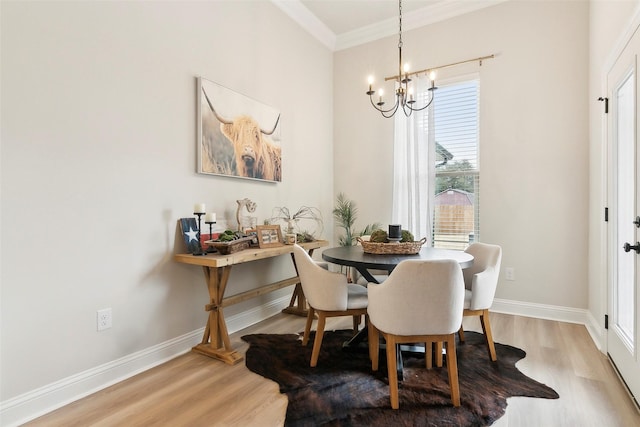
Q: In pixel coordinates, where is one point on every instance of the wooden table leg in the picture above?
(215, 341)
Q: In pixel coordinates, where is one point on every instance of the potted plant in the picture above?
(345, 213)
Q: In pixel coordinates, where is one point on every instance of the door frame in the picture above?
(610, 176)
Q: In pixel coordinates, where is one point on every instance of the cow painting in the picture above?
(256, 155)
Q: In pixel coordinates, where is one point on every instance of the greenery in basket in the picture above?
(228, 236)
(345, 213)
(406, 236)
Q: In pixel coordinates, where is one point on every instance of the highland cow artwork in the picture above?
(237, 136)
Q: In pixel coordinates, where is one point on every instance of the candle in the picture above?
(199, 208)
(394, 231)
(210, 217)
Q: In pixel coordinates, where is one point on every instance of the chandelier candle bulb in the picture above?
(199, 208)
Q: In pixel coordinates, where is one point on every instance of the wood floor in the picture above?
(194, 390)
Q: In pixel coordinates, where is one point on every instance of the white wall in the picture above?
(533, 131)
(98, 163)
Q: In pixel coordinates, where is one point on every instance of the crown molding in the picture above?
(411, 20)
(307, 20)
(419, 18)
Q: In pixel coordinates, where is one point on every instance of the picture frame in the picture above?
(237, 136)
(253, 233)
(269, 236)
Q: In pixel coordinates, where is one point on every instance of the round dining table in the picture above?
(354, 256)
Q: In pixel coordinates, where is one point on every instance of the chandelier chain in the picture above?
(400, 24)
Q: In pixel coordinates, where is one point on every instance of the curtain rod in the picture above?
(480, 59)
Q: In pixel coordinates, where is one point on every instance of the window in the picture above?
(456, 221)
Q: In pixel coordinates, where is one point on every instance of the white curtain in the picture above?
(414, 168)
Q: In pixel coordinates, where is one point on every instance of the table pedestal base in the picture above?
(230, 357)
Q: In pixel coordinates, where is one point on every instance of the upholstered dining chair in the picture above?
(480, 281)
(329, 295)
(420, 302)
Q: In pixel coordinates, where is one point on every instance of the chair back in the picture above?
(323, 289)
(482, 277)
(419, 298)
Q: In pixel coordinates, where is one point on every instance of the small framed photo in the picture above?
(253, 233)
(269, 236)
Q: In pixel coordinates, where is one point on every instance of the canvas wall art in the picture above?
(237, 136)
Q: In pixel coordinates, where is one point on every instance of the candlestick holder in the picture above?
(210, 249)
(199, 251)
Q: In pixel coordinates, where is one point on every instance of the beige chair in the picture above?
(480, 281)
(420, 302)
(329, 295)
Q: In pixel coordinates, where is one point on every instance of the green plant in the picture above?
(345, 213)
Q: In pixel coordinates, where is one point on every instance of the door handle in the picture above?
(637, 222)
(627, 247)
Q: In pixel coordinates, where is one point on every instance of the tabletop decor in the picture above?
(199, 209)
(344, 391)
(210, 219)
(269, 236)
(190, 233)
(246, 222)
(237, 136)
(307, 215)
(230, 242)
(395, 242)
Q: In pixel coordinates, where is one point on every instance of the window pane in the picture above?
(623, 315)
(456, 220)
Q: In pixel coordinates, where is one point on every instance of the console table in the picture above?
(215, 341)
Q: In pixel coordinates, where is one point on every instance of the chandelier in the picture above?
(404, 92)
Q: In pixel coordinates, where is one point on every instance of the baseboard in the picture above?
(540, 311)
(596, 330)
(33, 404)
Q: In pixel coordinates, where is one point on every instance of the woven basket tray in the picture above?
(405, 248)
(233, 246)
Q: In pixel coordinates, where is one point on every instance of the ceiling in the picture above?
(343, 16)
(340, 24)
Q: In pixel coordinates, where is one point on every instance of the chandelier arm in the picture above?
(426, 105)
(388, 116)
(382, 110)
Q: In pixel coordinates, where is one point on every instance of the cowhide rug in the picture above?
(343, 391)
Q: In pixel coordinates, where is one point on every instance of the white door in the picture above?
(624, 216)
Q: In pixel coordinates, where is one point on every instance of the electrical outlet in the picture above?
(510, 273)
(104, 319)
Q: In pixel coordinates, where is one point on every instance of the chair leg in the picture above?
(307, 328)
(486, 328)
(317, 343)
(356, 323)
(439, 354)
(452, 369)
(428, 354)
(374, 345)
(461, 334)
(392, 373)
